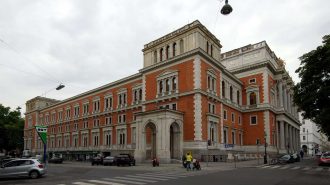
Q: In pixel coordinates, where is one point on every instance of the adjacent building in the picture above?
(188, 97)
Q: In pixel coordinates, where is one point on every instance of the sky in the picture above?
(85, 44)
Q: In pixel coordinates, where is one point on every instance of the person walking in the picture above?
(188, 160)
(301, 154)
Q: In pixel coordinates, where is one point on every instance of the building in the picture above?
(312, 141)
(188, 97)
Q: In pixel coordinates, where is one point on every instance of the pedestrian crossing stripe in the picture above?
(125, 181)
(82, 183)
(265, 167)
(135, 179)
(275, 167)
(158, 176)
(295, 168)
(151, 178)
(105, 182)
(285, 167)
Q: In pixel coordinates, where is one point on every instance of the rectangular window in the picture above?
(225, 136)
(108, 120)
(85, 109)
(239, 120)
(303, 129)
(76, 111)
(252, 81)
(224, 114)
(232, 117)
(68, 114)
(96, 106)
(96, 122)
(108, 103)
(60, 116)
(233, 140)
(253, 120)
(174, 106)
(304, 138)
(85, 124)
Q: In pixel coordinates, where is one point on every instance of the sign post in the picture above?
(42, 132)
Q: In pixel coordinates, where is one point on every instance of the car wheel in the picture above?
(34, 174)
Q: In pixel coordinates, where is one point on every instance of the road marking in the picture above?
(82, 183)
(285, 167)
(295, 168)
(265, 167)
(134, 179)
(319, 169)
(158, 176)
(307, 168)
(166, 174)
(126, 181)
(151, 178)
(274, 167)
(105, 182)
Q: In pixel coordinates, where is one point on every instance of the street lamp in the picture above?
(265, 156)
(226, 9)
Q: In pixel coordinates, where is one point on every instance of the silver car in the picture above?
(22, 167)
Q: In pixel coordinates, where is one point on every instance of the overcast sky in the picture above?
(86, 44)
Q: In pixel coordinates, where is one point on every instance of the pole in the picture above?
(45, 154)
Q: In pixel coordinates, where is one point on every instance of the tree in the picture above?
(312, 93)
(11, 129)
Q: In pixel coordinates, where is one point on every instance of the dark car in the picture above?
(109, 160)
(286, 159)
(97, 160)
(296, 157)
(56, 160)
(125, 159)
(324, 159)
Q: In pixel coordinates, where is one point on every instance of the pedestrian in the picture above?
(189, 160)
(301, 154)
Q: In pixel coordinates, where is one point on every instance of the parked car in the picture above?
(57, 160)
(98, 160)
(125, 159)
(22, 167)
(286, 159)
(324, 159)
(296, 157)
(109, 160)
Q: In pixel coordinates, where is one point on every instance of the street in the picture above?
(303, 173)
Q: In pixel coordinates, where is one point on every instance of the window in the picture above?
(232, 117)
(85, 124)
(304, 138)
(211, 82)
(155, 57)
(303, 129)
(174, 83)
(252, 81)
(85, 109)
(231, 93)
(68, 114)
(108, 120)
(174, 106)
(108, 103)
(122, 99)
(253, 120)
(161, 54)
(60, 115)
(174, 49)
(225, 136)
(133, 135)
(240, 139)
(96, 106)
(238, 97)
(224, 114)
(223, 85)
(76, 111)
(167, 84)
(211, 108)
(253, 98)
(96, 140)
(207, 47)
(239, 120)
(53, 119)
(107, 137)
(96, 123)
(122, 118)
(211, 50)
(167, 52)
(233, 139)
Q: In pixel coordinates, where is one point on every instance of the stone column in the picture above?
(280, 85)
(284, 98)
(278, 135)
(282, 135)
(286, 133)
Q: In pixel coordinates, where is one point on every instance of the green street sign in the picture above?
(42, 132)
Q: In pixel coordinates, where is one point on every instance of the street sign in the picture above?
(42, 132)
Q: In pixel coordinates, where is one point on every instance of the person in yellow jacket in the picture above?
(189, 159)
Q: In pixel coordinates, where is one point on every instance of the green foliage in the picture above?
(11, 129)
(312, 94)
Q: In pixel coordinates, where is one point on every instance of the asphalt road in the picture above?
(302, 173)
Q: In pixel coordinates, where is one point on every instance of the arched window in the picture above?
(223, 86)
(161, 54)
(174, 49)
(167, 52)
(155, 57)
(174, 83)
(253, 98)
(238, 97)
(231, 93)
(207, 47)
(181, 46)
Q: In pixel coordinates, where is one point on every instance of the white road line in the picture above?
(158, 176)
(105, 182)
(82, 183)
(165, 174)
(307, 168)
(295, 168)
(319, 169)
(135, 179)
(274, 167)
(125, 181)
(265, 167)
(285, 167)
(151, 178)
